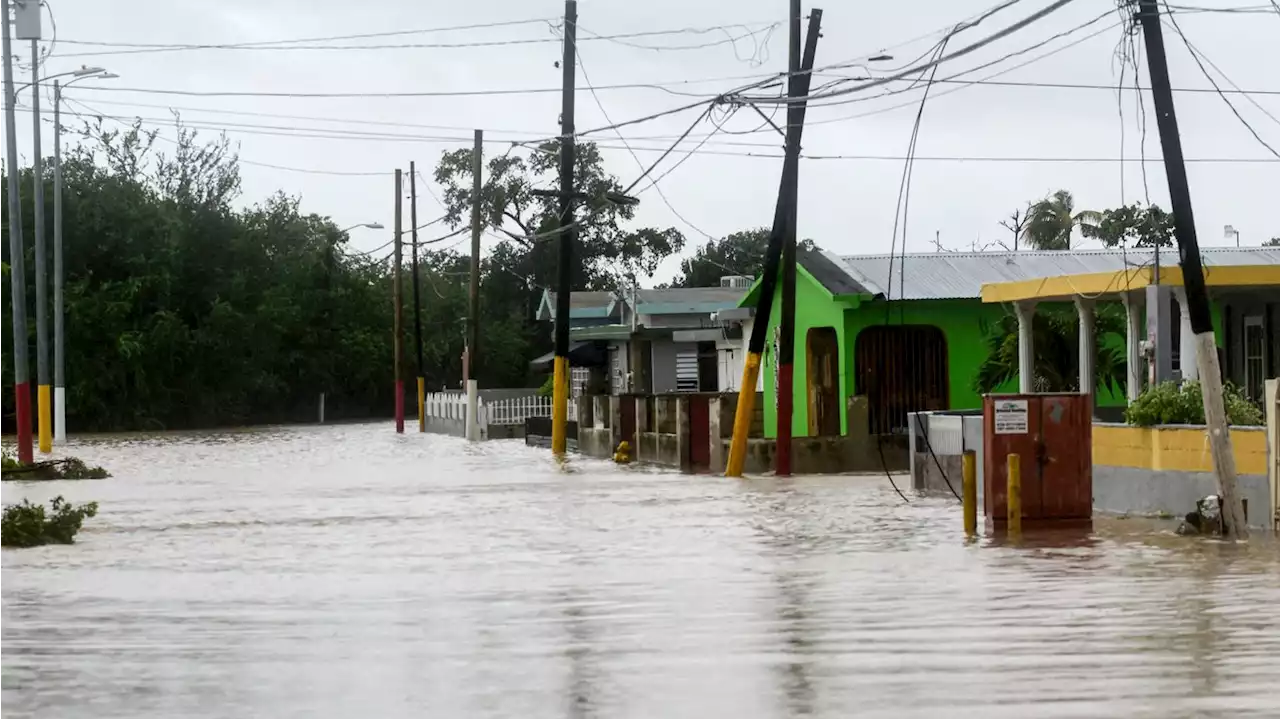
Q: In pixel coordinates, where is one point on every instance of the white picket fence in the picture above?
(514, 410)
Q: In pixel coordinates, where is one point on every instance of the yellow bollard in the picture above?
(1014, 499)
(44, 418)
(970, 464)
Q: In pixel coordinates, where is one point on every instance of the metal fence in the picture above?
(513, 410)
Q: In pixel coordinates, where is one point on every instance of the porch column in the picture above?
(1026, 311)
(1088, 343)
(1133, 307)
(1186, 338)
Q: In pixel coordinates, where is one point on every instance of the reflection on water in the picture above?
(348, 572)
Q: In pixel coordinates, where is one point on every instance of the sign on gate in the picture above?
(1011, 416)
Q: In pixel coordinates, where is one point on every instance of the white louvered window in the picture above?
(687, 370)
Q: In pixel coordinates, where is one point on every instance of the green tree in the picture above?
(1050, 222)
(1134, 226)
(1055, 333)
(606, 252)
(738, 253)
(1273, 242)
(186, 311)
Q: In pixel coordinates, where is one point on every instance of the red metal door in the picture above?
(700, 432)
(1053, 435)
(1065, 462)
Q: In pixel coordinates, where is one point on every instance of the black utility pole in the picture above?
(417, 300)
(1184, 230)
(568, 232)
(799, 87)
(785, 368)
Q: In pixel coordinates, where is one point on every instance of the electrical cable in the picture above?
(645, 172)
(1248, 95)
(294, 45)
(1015, 27)
(1196, 56)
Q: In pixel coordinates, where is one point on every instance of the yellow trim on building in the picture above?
(1093, 284)
(1175, 449)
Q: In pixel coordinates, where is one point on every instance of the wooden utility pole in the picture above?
(398, 314)
(798, 87)
(473, 312)
(417, 300)
(1184, 230)
(568, 232)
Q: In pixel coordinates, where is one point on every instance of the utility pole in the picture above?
(59, 328)
(798, 87)
(568, 232)
(785, 399)
(398, 302)
(473, 313)
(17, 256)
(417, 302)
(44, 407)
(1224, 465)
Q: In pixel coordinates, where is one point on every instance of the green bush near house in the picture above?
(548, 387)
(1167, 403)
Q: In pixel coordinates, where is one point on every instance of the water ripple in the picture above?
(346, 571)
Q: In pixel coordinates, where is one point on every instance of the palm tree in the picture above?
(1055, 334)
(1051, 221)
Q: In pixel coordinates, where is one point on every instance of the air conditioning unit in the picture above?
(737, 282)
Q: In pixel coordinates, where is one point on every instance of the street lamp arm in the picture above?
(81, 73)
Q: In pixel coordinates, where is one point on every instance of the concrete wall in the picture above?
(1164, 470)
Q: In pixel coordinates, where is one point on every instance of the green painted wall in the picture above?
(960, 321)
(815, 307)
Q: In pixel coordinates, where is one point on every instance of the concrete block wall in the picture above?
(1164, 470)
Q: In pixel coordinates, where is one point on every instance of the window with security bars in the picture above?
(901, 369)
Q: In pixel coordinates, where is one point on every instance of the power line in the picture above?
(1196, 56)
(241, 160)
(769, 155)
(1015, 27)
(295, 45)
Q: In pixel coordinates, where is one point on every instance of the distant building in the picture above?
(658, 340)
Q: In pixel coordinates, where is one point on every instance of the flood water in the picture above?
(348, 572)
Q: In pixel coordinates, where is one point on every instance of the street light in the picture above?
(59, 330)
(367, 225)
(1228, 231)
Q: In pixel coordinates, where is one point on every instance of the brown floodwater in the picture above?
(345, 571)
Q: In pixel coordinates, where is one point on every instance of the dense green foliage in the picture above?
(28, 525)
(1056, 332)
(739, 253)
(1167, 403)
(66, 468)
(186, 310)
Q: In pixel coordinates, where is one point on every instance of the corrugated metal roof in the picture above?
(686, 300)
(953, 275)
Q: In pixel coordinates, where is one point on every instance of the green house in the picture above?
(911, 332)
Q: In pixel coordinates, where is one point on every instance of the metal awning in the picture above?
(581, 354)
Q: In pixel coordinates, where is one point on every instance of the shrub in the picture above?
(1167, 403)
(27, 524)
(548, 387)
(67, 468)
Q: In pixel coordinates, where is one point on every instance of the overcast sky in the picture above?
(846, 205)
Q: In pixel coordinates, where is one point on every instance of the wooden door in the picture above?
(823, 382)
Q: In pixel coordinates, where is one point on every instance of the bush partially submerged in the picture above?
(68, 468)
(28, 525)
(1167, 403)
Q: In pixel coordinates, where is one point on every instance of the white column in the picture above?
(1088, 341)
(1133, 338)
(1186, 338)
(473, 406)
(1026, 311)
(59, 414)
